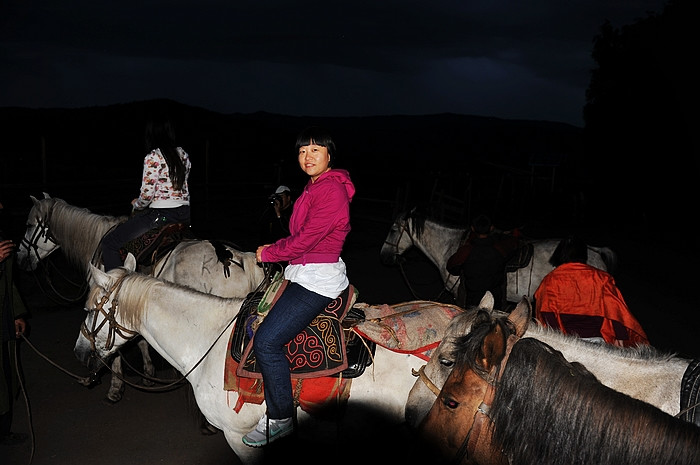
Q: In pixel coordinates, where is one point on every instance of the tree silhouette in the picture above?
(640, 114)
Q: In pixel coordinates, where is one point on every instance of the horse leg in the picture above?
(116, 386)
(148, 367)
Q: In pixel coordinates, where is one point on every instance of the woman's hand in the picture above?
(20, 327)
(6, 248)
(258, 252)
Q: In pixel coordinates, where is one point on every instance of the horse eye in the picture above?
(446, 362)
(450, 403)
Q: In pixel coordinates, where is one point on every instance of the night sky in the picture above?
(516, 60)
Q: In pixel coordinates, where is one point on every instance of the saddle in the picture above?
(326, 347)
(320, 389)
(690, 393)
(156, 243)
(521, 258)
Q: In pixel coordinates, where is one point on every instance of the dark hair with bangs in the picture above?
(318, 136)
(571, 249)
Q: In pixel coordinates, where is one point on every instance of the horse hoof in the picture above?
(111, 400)
(208, 429)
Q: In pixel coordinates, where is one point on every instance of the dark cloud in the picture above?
(528, 60)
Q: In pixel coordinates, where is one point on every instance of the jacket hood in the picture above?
(341, 176)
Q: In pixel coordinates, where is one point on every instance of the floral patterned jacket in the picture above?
(157, 189)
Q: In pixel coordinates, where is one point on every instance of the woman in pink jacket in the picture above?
(319, 224)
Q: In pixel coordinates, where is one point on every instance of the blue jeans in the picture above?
(293, 311)
(137, 225)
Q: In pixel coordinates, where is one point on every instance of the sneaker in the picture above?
(278, 429)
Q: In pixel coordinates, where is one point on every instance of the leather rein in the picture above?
(116, 328)
(478, 437)
(405, 229)
(42, 232)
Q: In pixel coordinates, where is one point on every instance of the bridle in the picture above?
(404, 229)
(42, 234)
(480, 434)
(109, 318)
(115, 328)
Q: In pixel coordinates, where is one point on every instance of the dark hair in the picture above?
(482, 224)
(316, 135)
(160, 134)
(572, 249)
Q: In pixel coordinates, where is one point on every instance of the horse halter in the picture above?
(109, 318)
(475, 440)
(403, 229)
(41, 231)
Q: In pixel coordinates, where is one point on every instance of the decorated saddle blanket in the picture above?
(321, 387)
(414, 327)
(319, 350)
(156, 243)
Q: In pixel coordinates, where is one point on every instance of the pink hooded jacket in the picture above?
(319, 224)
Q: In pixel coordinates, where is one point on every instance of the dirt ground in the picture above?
(70, 423)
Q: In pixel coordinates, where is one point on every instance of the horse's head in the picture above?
(397, 241)
(406, 229)
(468, 391)
(437, 369)
(38, 242)
(103, 332)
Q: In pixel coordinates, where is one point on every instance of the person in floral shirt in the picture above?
(164, 197)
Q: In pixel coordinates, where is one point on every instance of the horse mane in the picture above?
(137, 289)
(640, 352)
(417, 217)
(467, 349)
(78, 227)
(609, 258)
(134, 293)
(547, 410)
(466, 323)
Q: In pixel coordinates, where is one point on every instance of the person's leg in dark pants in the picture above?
(293, 312)
(123, 233)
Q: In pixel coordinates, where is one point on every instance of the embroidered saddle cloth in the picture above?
(320, 386)
(414, 327)
(156, 243)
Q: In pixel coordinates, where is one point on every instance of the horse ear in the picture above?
(493, 348)
(520, 316)
(130, 262)
(98, 277)
(34, 199)
(46, 196)
(487, 301)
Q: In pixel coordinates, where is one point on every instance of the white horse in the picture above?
(191, 329)
(54, 224)
(640, 372)
(438, 241)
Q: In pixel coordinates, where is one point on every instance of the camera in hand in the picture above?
(275, 198)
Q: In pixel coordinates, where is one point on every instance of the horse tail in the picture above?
(609, 258)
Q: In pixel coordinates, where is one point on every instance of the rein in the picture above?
(116, 328)
(474, 439)
(43, 232)
(395, 245)
(423, 377)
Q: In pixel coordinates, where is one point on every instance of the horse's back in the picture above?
(196, 264)
(525, 280)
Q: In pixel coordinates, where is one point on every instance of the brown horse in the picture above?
(518, 401)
